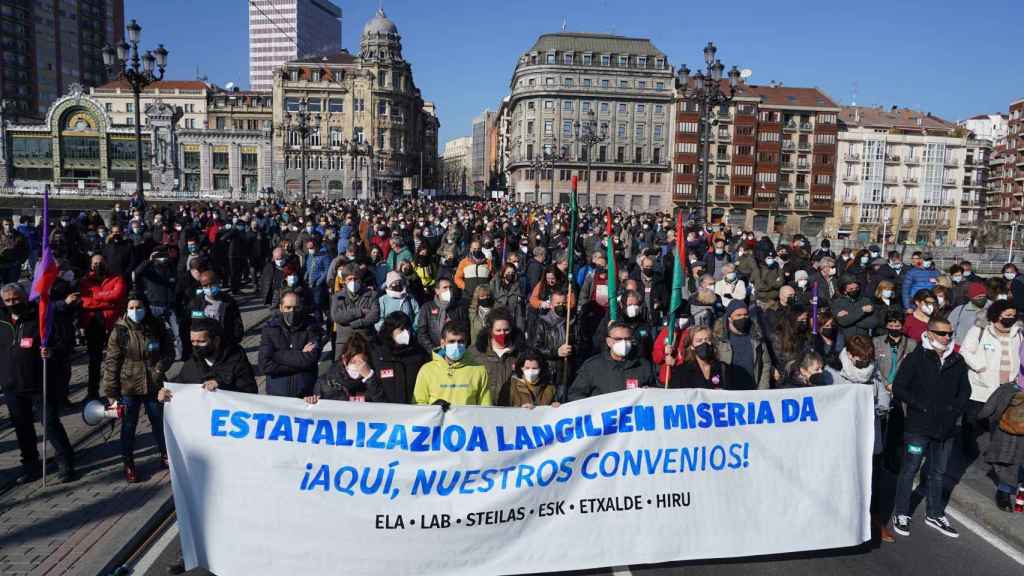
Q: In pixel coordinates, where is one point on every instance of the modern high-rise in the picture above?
(484, 151)
(620, 86)
(284, 30)
(48, 45)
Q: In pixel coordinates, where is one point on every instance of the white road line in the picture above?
(986, 535)
(153, 554)
(621, 571)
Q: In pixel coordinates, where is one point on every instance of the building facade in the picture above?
(484, 151)
(284, 30)
(49, 46)
(1013, 169)
(457, 166)
(772, 155)
(620, 86)
(190, 95)
(370, 127)
(991, 127)
(903, 174)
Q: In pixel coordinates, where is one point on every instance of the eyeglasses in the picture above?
(942, 333)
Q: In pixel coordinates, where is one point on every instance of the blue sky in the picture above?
(953, 59)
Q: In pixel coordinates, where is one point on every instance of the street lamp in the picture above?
(124, 62)
(303, 123)
(589, 136)
(545, 162)
(356, 149)
(706, 88)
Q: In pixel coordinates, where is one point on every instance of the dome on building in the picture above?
(380, 24)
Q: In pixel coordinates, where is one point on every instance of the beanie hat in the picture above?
(734, 306)
(975, 290)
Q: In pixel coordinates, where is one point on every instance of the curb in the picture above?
(982, 509)
(133, 543)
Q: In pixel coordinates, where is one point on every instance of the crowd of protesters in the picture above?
(492, 303)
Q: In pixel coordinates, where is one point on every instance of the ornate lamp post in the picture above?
(589, 136)
(356, 149)
(543, 164)
(124, 62)
(303, 123)
(706, 88)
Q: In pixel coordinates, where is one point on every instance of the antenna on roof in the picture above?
(563, 23)
(854, 101)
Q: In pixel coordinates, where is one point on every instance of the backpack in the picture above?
(1012, 421)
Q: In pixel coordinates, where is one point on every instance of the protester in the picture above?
(741, 344)
(496, 346)
(532, 383)
(290, 345)
(102, 303)
(397, 357)
(702, 368)
(992, 353)
(215, 363)
(450, 378)
(616, 368)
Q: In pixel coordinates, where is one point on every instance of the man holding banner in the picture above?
(617, 368)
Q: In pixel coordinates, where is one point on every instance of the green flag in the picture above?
(613, 302)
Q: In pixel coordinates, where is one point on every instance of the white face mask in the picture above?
(682, 322)
(801, 283)
(352, 286)
(769, 261)
(621, 348)
(396, 294)
(291, 280)
(1003, 297)
(354, 370)
(1009, 276)
(887, 294)
(927, 263)
(445, 296)
(730, 277)
(632, 311)
(941, 301)
(531, 374)
(927, 309)
(402, 337)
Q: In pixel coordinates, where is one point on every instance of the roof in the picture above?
(161, 85)
(599, 43)
(342, 57)
(787, 96)
(380, 24)
(892, 118)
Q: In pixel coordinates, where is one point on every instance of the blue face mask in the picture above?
(212, 290)
(454, 351)
(137, 315)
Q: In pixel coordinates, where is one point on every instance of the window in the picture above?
(641, 61)
(638, 154)
(640, 109)
(605, 83)
(549, 104)
(639, 131)
(108, 107)
(588, 59)
(315, 76)
(551, 58)
(314, 105)
(641, 84)
(622, 130)
(531, 105)
(567, 105)
(335, 105)
(249, 161)
(655, 178)
(623, 61)
(659, 63)
(604, 107)
(768, 136)
(220, 160)
(659, 86)
(567, 59)
(549, 81)
(585, 106)
(743, 170)
(529, 127)
(622, 108)
(620, 154)
(743, 150)
(191, 160)
(568, 82)
(335, 137)
(686, 147)
(220, 123)
(824, 138)
(529, 154)
(823, 179)
(129, 107)
(684, 189)
(658, 129)
(567, 127)
(659, 108)
(532, 82)
(382, 107)
(606, 60)
(587, 82)
(688, 127)
(548, 126)
(623, 83)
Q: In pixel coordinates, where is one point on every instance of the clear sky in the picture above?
(948, 57)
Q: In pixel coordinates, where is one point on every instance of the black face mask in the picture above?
(853, 294)
(486, 302)
(980, 302)
(289, 318)
(478, 254)
(560, 311)
(862, 363)
(829, 332)
(648, 272)
(817, 379)
(895, 334)
(18, 309)
(704, 351)
(1007, 322)
(802, 326)
(100, 269)
(742, 325)
(204, 352)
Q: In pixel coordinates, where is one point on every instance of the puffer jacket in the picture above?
(982, 350)
(21, 366)
(511, 297)
(231, 370)
(137, 358)
(917, 279)
(354, 313)
(103, 300)
(602, 375)
(935, 389)
(538, 394)
(158, 281)
(290, 371)
(395, 369)
(855, 321)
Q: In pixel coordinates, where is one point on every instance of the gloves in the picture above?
(444, 404)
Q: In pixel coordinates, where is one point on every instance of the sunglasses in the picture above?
(942, 333)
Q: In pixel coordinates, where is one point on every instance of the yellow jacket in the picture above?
(463, 383)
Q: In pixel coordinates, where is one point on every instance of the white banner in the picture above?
(267, 485)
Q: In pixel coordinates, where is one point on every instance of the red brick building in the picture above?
(772, 158)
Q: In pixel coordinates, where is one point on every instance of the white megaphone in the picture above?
(95, 412)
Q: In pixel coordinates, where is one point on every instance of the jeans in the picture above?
(170, 318)
(915, 449)
(22, 411)
(154, 411)
(95, 344)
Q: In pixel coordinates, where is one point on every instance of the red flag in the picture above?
(680, 239)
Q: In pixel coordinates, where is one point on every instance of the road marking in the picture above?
(986, 535)
(621, 571)
(149, 559)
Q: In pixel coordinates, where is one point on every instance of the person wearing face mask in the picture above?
(807, 370)
(118, 255)
(740, 343)
(885, 302)
(631, 313)
(992, 353)
(548, 337)
(935, 387)
(1015, 285)
(924, 309)
(21, 379)
(967, 315)
(495, 347)
(14, 251)
(666, 356)
(475, 269)
(156, 279)
(509, 291)
(139, 353)
(315, 263)
(272, 279)
(891, 348)
(716, 259)
(824, 251)
(917, 279)
(396, 356)
(730, 287)
(214, 365)
(702, 368)
(102, 303)
(452, 378)
(615, 368)
(290, 346)
(532, 383)
(210, 301)
(854, 311)
(350, 377)
(790, 336)
(446, 306)
(396, 298)
(766, 278)
(399, 253)
(356, 308)
(829, 340)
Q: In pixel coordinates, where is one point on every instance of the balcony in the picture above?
(890, 180)
(788, 166)
(909, 181)
(788, 145)
(951, 162)
(722, 157)
(801, 203)
(806, 127)
(724, 116)
(949, 182)
(851, 157)
(724, 136)
(851, 178)
(790, 126)
(721, 177)
(785, 186)
(802, 186)
(892, 159)
(912, 160)
(803, 166)
(805, 146)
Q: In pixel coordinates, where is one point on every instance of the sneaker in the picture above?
(29, 474)
(942, 525)
(901, 525)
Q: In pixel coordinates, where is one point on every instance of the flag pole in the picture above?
(45, 361)
(568, 299)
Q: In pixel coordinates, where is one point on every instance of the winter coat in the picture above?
(512, 298)
(102, 300)
(137, 358)
(499, 370)
(290, 371)
(159, 283)
(731, 291)
(868, 376)
(967, 316)
(723, 377)
(231, 370)
(395, 370)
(600, 374)
(762, 358)
(119, 255)
(855, 321)
(767, 281)
(827, 288)
(935, 390)
(885, 357)
(471, 274)
(1004, 448)
(386, 305)
(459, 383)
(355, 313)
(547, 337)
(432, 318)
(21, 366)
(982, 350)
(223, 309)
(314, 269)
(915, 280)
(396, 257)
(538, 394)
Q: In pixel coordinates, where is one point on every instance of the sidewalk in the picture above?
(974, 495)
(79, 528)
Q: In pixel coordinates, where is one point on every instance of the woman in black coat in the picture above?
(396, 357)
(702, 368)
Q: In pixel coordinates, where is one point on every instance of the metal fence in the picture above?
(120, 194)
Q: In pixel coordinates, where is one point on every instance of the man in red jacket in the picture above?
(103, 302)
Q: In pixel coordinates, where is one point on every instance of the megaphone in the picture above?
(95, 412)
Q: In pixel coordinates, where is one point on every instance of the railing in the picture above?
(851, 157)
(951, 162)
(803, 166)
(790, 127)
(722, 157)
(787, 165)
(722, 177)
(910, 180)
(805, 145)
(103, 194)
(788, 145)
(806, 127)
(851, 177)
(801, 204)
(724, 136)
(892, 159)
(912, 160)
(801, 186)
